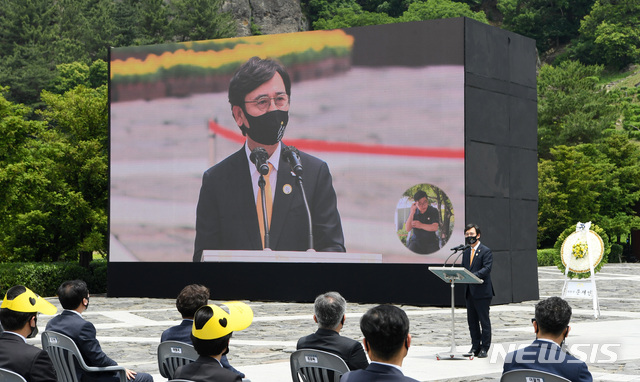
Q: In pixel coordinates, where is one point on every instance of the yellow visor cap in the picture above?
(29, 302)
(222, 323)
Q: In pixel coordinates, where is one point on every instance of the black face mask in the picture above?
(470, 240)
(268, 128)
(34, 330)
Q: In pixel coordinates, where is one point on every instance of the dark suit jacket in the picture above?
(481, 267)
(30, 362)
(562, 363)
(376, 373)
(349, 350)
(182, 333)
(206, 369)
(226, 215)
(83, 333)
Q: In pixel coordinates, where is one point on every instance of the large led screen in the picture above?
(383, 106)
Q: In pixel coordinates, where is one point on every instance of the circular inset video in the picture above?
(424, 218)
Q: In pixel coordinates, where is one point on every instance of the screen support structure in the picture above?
(453, 275)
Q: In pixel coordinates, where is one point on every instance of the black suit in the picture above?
(206, 369)
(226, 216)
(27, 360)
(182, 333)
(561, 363)
(376, 372)
(479, 296)
(349, 350)
(83, 333)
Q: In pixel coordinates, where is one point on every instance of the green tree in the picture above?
(597, 182)
(629, 101)
(25, 166)
(153, 22)
(610, 34)
(572, 107)
(550, 23)
(327, 9)
(440, 9)
(353, 17)
(417, 11)
(27, 70)
(69, 76)
(28, 34)
(200, 20)
(393, 8)
(126, 17)
(53, 177)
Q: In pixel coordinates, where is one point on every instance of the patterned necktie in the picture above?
(473, 252)
(269, 200)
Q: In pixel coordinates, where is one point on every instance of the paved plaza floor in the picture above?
(129, 330)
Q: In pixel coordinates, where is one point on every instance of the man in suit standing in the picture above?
(74, 298)
(551, 325)
(19, 317)
(190, 299)
(329, 313)
(229, 213)
(211, 332)
(387, 341)
(478, 259)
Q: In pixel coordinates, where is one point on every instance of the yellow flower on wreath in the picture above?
(579, 249)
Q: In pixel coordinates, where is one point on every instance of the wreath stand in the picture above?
(583, 288)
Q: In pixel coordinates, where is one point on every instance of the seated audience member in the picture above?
(387, 341)
(74, 298)
(189, 300)
(211, 332)
(329, 309)
(551, 325)
(19, 317)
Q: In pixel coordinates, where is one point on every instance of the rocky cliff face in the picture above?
(267, 16)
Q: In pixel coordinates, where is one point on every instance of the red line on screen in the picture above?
(348, 147)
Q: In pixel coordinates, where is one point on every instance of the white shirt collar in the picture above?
(274, 159)
(71, 310)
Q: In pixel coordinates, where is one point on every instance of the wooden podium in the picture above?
(453, 275)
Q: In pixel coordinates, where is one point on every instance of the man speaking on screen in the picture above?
(231, 211)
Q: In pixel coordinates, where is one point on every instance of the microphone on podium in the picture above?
(461, 248)
(260, 158)
(292, 156)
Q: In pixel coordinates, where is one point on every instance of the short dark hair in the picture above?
(471, 225)
(329, 309)
(71, 293)
(253, 73)
(553, 315)
(419, 195)
(385, 328)
(207, 348)
(10, 319)
(191, 298)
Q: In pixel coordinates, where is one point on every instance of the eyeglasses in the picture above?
(263, 103)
